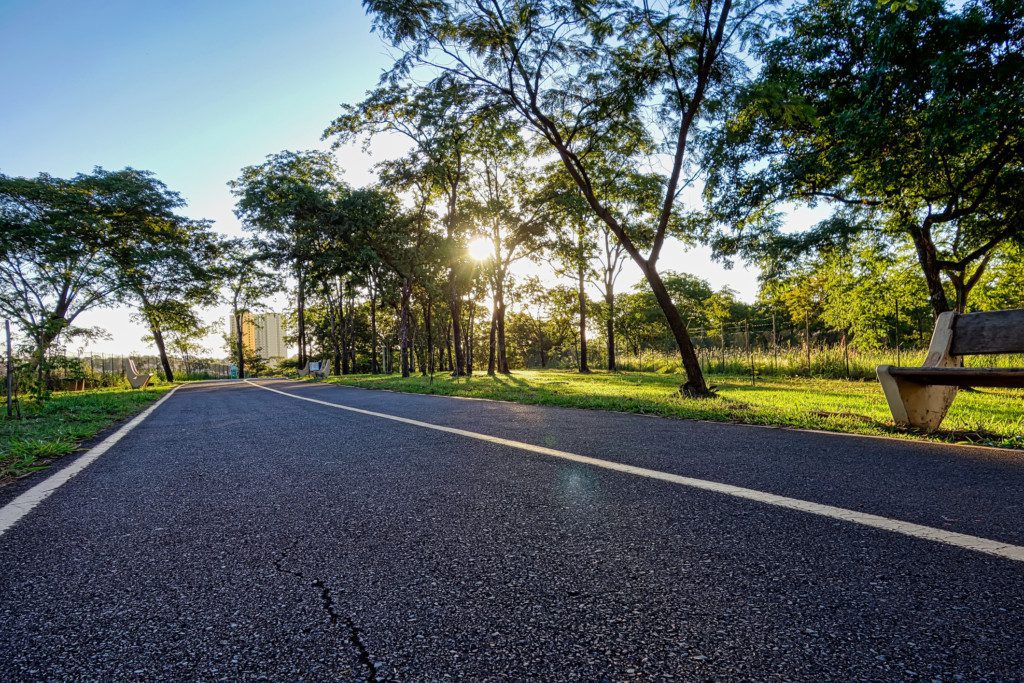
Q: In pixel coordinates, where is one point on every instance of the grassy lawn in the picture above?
(56, 426)
(992, 417)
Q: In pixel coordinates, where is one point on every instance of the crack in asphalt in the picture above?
(327, 599)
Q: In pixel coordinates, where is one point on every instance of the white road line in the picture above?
(968, 542)
(23, 504)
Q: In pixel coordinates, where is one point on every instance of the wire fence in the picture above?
(66, 372)
(767, 347)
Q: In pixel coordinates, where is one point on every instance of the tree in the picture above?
(601, 84)
(286, 201)
(402, 241)
(441, 120)
(247, 283)
(511, 216)
(1002, 286)
(166, 262)
(907, 120)
(591, 246)
(573, 247)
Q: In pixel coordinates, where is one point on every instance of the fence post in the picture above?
(775, 345)
(708, 370)
(807, 339)
(750, 350)
(846, 352)
(897, 331)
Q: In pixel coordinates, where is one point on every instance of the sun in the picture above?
(480, 249)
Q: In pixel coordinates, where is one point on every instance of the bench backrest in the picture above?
(988, 333)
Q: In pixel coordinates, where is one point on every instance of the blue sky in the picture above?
(190, 90)
(194, 90)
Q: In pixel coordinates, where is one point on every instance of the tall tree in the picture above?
(54, 263)
(602, 84)
(441, 120)
(512, 217)
(402, 241)
(247, 283)
(574, 249)
(166, 262)
(590, 244)
(286, 201)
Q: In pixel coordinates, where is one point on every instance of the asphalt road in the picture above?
(241, 534)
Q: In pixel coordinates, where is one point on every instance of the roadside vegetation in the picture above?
(986, 417)
(57, 425)
(590, 138)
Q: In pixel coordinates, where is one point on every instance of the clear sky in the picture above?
(193, 90)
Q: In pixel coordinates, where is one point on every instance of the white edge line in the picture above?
(11, 513)
(952, 538)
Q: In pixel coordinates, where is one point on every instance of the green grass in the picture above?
(990, 417)
(55, 427)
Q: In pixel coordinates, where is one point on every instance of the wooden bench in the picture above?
(136, 379)
(920, 397)
(320, 370)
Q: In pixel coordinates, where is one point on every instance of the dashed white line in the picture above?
(951, 538)
(23, 504)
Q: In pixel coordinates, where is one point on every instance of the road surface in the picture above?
(241, 533)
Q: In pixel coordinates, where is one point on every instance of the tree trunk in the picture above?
(492, 340)
(694, 385)
(928, 259)
(158, 338)
(351, 326)
(374, 366)
(335, 341)
(609, 298)
(584, 367)
(165, 362)
(239, 347)
(430, 336)
(470, 330)
(345, 331)
(301, 315)
(455, 304)
(502, 345)
(413, 356)
(403, 326)
(448, 343)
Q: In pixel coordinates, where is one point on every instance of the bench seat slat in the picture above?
(988, 333)
(963, 377)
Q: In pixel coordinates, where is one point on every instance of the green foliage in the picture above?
(909, 120)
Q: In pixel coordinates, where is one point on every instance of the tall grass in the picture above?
(829, 362)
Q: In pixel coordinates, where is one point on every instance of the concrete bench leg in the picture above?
(915, 405)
